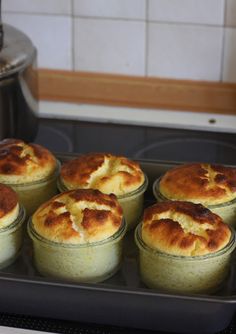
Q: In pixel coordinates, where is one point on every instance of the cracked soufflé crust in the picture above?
(23, 163)
(204, 183)
(103, 171)
(184, 229)
(79, 216)
(9, 206)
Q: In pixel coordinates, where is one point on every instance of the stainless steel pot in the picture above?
(18, 85)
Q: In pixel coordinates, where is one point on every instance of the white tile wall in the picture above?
(189, 11)
(38, 6)
(129, 9)
(114, 46)
(230, 19)
(50, 34)
(189, 52)
(180, 39)
(229, 65)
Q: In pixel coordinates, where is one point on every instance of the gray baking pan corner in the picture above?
(122, 300)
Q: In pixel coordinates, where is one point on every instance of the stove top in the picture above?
(137, 142)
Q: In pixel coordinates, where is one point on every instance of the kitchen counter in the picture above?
(138, 116)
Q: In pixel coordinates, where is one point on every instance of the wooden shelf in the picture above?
(141, 92)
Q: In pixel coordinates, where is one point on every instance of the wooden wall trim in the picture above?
(141, 92)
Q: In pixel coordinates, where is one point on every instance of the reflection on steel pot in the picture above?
(18, 85)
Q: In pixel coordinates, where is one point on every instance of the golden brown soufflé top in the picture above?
(204, 183)
(103, 171)
(184, 229)
(23, 163)
(9, 206)
(78, 217)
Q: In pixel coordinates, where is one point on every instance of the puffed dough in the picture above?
(23, 163)
(79, 216)
(184, 229)
(105, 172)
(203, 183)
(9, 206)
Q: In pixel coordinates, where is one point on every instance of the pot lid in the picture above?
(16, 50)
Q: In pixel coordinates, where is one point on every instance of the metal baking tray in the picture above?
(122, 300)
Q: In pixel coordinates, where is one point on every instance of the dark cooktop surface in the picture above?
(137, 142)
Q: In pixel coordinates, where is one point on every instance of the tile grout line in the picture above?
(146, 38)
(223, 42)
(195, 24)
(73, 58)
(146, 59)
(72, 35)
(35, 13)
